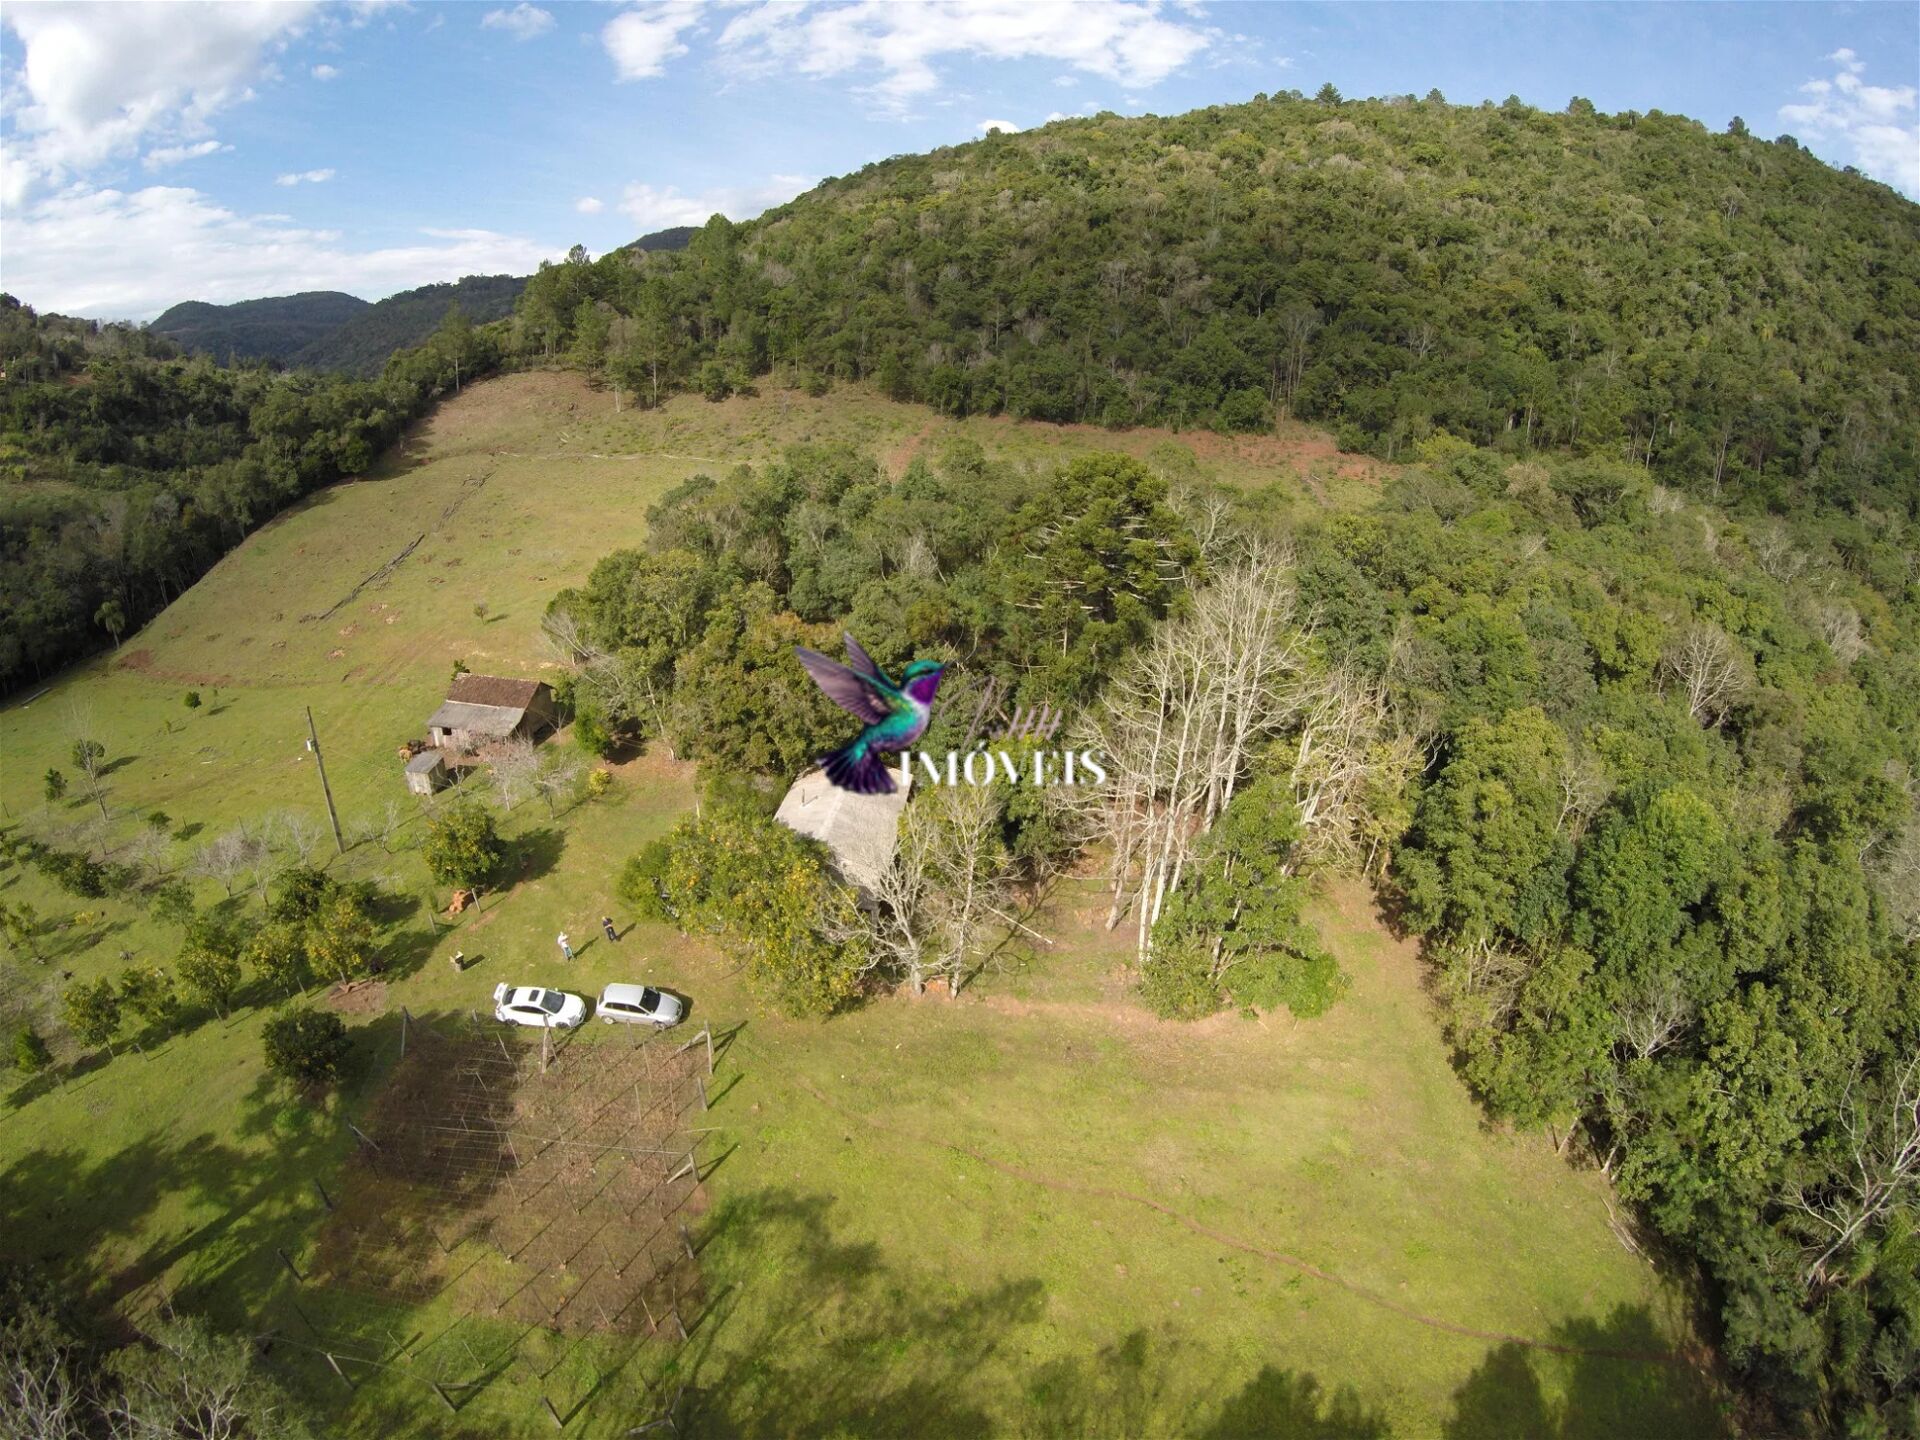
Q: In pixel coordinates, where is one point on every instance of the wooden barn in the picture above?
(482, 709)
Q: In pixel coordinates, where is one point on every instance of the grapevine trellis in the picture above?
(541, 1191)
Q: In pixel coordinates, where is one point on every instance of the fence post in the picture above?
(337, 1370)
(325, 1199)
(287, 1261)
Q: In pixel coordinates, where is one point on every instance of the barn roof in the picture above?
(493, 690)
(480, 719)
(860, 830)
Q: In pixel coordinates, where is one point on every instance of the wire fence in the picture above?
(514, 1232)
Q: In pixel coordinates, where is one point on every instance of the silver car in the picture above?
(639, 1005)
(542, 1009)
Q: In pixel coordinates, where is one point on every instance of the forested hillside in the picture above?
(362, 345)
(1728, 311)
(271, 329)
(326, 330)
(126, 470)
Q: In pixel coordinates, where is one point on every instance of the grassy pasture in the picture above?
(1034, 1210)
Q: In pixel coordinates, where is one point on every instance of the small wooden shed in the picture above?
(427, 772)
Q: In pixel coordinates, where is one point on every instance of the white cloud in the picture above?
(1132, 42)
(304, 177)
(364, 12)
(522, 22)
(326, 72)
(98, 82)
(1005, 127)
(173, 154)
(662, 208)
(113, 254)
(589, 205)
(642, 41)
(1875, 122)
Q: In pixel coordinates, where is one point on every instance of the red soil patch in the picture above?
(357, 997)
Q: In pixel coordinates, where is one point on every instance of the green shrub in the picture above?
(1177, 983)
(307, 1046)
(30, 1053)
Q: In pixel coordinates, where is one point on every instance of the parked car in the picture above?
(542, 1009)
(639, 1005)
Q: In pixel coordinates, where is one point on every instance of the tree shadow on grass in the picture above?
(846, 1344)
(1608, 1391)
(534, 854)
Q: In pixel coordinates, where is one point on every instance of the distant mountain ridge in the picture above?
(361, 345)
(329, 330)
(272, 328)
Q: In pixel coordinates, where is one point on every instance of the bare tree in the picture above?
(556, 777)
(225, 858)
(257, 858)
(1656, 1015)
(1347, 757)
(901, 939)
(1775, 553)
(970, 868)
(513, 763)
(1297, 329)
(1711, 671)
(191, 1385)
(391, 819)
(1178, 726)
(1882, 1142)
(38, 1395)
(302, 834)
(565, 637)
(1840, 627)
(1584, 787)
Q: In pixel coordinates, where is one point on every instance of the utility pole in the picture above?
(313, 744)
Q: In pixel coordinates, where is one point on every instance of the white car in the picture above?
(639, 1005)
(542, 1009)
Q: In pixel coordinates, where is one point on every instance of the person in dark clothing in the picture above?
(606, 924)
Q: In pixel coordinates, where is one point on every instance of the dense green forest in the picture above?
(128, 470)
(271, 329)
(1728, 311)
(363, 344)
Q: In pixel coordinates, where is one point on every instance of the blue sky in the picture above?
(162, 152)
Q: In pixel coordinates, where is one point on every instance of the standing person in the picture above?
(606, 924)
(566, 948)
